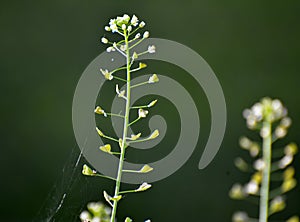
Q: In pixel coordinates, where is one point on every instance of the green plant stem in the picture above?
(134, 121)
(125, 128)
(265, 186)
(139, 84)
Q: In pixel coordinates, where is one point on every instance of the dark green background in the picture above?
(253, 47)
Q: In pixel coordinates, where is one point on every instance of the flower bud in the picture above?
(146, 35)
(104, 40)
(142, 24)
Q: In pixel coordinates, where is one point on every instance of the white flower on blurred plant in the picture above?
(285, 161)
(259, 164)
(251, 187)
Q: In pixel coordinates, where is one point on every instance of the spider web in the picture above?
(70, 194)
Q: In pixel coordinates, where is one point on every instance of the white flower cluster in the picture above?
(122, 23)
(127, 26)
(267, 109)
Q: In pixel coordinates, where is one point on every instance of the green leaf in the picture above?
(128, 219)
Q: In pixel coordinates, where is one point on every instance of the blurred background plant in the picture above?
(96, 212)
(271, 174)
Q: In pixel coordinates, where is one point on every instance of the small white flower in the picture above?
(237, 192)
(240, 217)
(276, 105)
(257, 111)
(259, 164)
(286, 122)
(110, 49)
(123, 27)
(142, 24)
(153, 79)
(254, 150)
(146, 35)
(264, 132)
(142, 113)
(123, 48)
(96, 219)
(104, 40)
(85, 215)
(107, 74)
(126, 18)
(137, 36)
(245, 143)
(114, 28)
(285, 161)
(134, 20)
(112, 21)
(251, 187)
(280, 132)
(107, 28)
(129, 29)
(246, 113)
(251, 122)
(151, 49)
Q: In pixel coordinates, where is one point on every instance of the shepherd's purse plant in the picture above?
(128, 28)
(272, 176)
